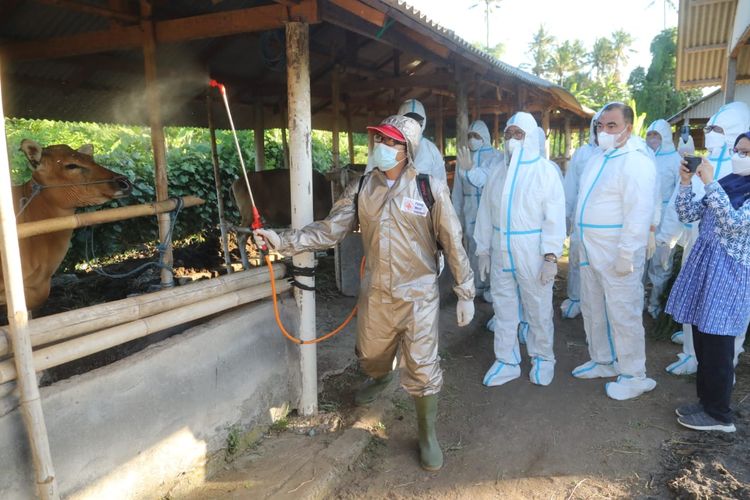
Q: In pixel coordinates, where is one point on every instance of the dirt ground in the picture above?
(568, 440)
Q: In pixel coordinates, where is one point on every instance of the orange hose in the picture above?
(278, 316)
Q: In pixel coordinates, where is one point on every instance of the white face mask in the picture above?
(740, 166)
(608, 141)
(384, 157)
(714, 140)
(475, 144)
(511, 145)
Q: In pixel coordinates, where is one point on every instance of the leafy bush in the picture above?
(127, 150)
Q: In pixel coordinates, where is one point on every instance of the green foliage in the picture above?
(127, 150)
(654, 89)
(541, 47)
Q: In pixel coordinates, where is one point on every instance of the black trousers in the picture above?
(715, 378)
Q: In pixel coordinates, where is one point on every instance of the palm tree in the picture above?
(566, 60)
(621, 50)
(489, 6)
(601, 57)
(540, 48)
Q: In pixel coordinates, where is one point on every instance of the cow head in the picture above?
(71, 178)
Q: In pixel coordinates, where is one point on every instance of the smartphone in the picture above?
(685, 132)
(693, 162)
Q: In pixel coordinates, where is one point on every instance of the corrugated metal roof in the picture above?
(704, 108)
(704, 31)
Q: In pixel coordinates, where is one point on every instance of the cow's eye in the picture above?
(71, 166)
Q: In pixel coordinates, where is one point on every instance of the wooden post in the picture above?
(158, 143)
(496, 131)
(545, 127)
(300, 180)
(349, 131)
(731, 80)
(439, 131)
(568, 142)
(260, 147)
(336, 99)
(18, 317)
(217, 185)
(462, 114)
(476, 110)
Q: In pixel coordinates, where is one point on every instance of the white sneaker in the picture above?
(592, 369)
(501, 373)
(570, 308)
(686, 364)
(678, 337)
(491, 324)
(542, 371)
(523, 332)
(626, 387)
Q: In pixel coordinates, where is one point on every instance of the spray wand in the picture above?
(257, 223)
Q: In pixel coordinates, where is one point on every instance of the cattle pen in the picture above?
(296, 65)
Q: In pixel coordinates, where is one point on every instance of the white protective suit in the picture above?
(734, 118)
(429, 160)
(467, 191)
(521, 218)
(571, 306)
(668, 171)
(614, 213)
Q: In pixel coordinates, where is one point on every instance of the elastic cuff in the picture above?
(712, 187)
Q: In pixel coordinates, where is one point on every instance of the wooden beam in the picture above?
(88, 8)
(361, 10)
(267, 17)
(434, 80)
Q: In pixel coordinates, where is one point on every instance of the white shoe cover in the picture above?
(501, 373)
(487, 295)
(542, 371)
(686, 364)
(628, 387)
(570, 308)
(523, 331)
(491, 324)
(654, 312)
(592, 369)
(678, 337)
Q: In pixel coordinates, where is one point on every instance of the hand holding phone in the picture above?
(692, 162)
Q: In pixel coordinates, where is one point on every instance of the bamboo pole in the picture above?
(336, 98)
(217, 184)
(462, 113)
(29, 229)
(439, 130)
(70, 324)
(158, 142)
(349, 130)
(300, 180)
(87, 345)
(22, 363)
(259, 138)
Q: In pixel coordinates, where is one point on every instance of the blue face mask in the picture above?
(384, 157)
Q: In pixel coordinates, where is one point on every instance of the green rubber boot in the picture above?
(430, 455)
(371, 389)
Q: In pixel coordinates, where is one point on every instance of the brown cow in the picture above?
(271, 192)
(62, 180)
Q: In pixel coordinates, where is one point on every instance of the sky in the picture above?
(515, 21)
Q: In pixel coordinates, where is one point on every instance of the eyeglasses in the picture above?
(713, 128)
(388, 141)
(518, 134)
(741, 154)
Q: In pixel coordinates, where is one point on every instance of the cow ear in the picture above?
(87, 149)
(33, 152)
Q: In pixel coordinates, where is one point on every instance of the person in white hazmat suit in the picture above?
(614, 213)
(473, 167)
(429, 160)
(659, 139)
(519, 233)
(721, 131)
(571, 306)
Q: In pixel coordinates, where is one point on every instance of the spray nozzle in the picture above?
(220, 86)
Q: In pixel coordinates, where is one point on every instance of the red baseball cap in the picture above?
(388, 131)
